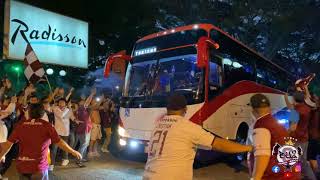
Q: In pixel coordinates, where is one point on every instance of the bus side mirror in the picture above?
(112, 58)
(203, 46)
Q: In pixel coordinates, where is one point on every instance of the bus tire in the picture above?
(241, 137)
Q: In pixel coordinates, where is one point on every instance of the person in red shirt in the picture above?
(84, 127)
(299, 130)
(105, 111)
(264, 134)
(34, 137)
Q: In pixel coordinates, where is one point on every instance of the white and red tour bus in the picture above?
(215, 72)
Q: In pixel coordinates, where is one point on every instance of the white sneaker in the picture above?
(104, 150)
(65, 162)
(51, 167)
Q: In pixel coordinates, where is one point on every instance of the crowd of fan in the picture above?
(81, 124)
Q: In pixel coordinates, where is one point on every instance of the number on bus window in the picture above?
(155, 149)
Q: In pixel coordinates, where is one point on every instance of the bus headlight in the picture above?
(133, 144)
(122, 142)
(121, 131)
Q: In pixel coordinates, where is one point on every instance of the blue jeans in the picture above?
(54, 150)
(72, 139)
(84, 140)
(39, 176)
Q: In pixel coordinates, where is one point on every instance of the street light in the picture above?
(62, 73)
(49, 71)
(16, 69)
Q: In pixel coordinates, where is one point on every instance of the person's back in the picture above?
(277, 135)
(173, 147)
(174, 142)
(267, 136)
(33, 137)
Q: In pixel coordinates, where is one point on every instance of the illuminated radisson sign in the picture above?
(50, 35)
(56, 39)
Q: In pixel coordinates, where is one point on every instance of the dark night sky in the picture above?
(105, 17)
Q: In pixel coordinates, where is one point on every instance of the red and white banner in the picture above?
(34, 70)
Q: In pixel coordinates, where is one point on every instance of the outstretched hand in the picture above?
(77, 155)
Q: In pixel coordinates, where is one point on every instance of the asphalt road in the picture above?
(111, 168)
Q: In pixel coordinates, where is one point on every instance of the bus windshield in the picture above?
(160, 77)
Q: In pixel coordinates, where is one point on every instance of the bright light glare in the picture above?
(133, 144)
(283, 121)
(62, 73)
(122, 142)
(196, 26)
(98, 99)
(49, 71)
(259, 75)
(121, 131)
(227, 61)
(236, 65)
(117, 87)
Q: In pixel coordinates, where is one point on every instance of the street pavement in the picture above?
(110, 168)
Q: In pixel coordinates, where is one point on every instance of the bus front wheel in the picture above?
(241, 137)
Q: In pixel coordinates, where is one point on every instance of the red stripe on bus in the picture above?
(178, 47)
(238, 89)
(206, 27)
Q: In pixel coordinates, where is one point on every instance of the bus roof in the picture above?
(208, 27)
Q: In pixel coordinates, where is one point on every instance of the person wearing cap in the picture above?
(264, 133)
(300, 130)
(174, 141)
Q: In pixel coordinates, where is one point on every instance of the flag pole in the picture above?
(48, 83)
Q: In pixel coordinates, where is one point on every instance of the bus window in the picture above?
(236, 69)
(237, 63)
(267, 75)
(215, 79)
(215, 74)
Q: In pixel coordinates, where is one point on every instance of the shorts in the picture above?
(313, 149)
(95, 132)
